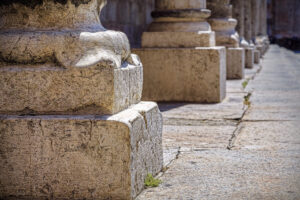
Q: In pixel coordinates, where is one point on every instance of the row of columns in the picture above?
(72, 122)
(252, 26)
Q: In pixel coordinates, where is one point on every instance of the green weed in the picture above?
(150, 181)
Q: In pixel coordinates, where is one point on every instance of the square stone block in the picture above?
(260, 49)
(256, 56)
(46, 89)
(235, 63)
(249, 57)
(184, 74)
(178, 39)
(80, 157)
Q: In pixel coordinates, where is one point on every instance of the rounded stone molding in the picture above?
(184, 15)
(66, 33)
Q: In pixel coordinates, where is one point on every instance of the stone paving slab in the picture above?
(272, 136)
(222, 174)
(197, 136)
(279, 113)
(231, 108)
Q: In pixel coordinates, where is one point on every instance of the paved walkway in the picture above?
(233, 151)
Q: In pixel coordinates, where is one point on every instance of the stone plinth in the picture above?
(224, 25)
(80, 157)
(249, 57)
(235, 59)
(180, 60)
(98, 89)
(178, 39)
(63, 79)
(256, 56)
(184, 74)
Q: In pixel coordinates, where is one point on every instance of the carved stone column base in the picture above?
(249, 57)
(263, 44)
(225, 32)
(80, 157)
(235, 63)
(184, 74)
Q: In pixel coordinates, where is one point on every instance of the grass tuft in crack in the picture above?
(150, 181)
(247, 101)
(245, 83)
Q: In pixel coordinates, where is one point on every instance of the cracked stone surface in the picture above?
(232, 151)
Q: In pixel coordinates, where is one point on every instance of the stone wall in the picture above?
(129, 16)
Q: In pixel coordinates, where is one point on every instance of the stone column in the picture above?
(72, 124)
(248, 21)
(181, 62)
(248, 43)
(238, 14)
(255, 23)
(255, 18)
(224, 25)
(262, 39)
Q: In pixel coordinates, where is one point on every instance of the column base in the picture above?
(235, 63)
(80, 157)
(184, 74)
(249, 58)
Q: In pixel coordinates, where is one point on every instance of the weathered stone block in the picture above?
(43, 89)
(256, 56)
(178, 39)
(80, 157)
(235, 63)
(249, 56)
(184, 74)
